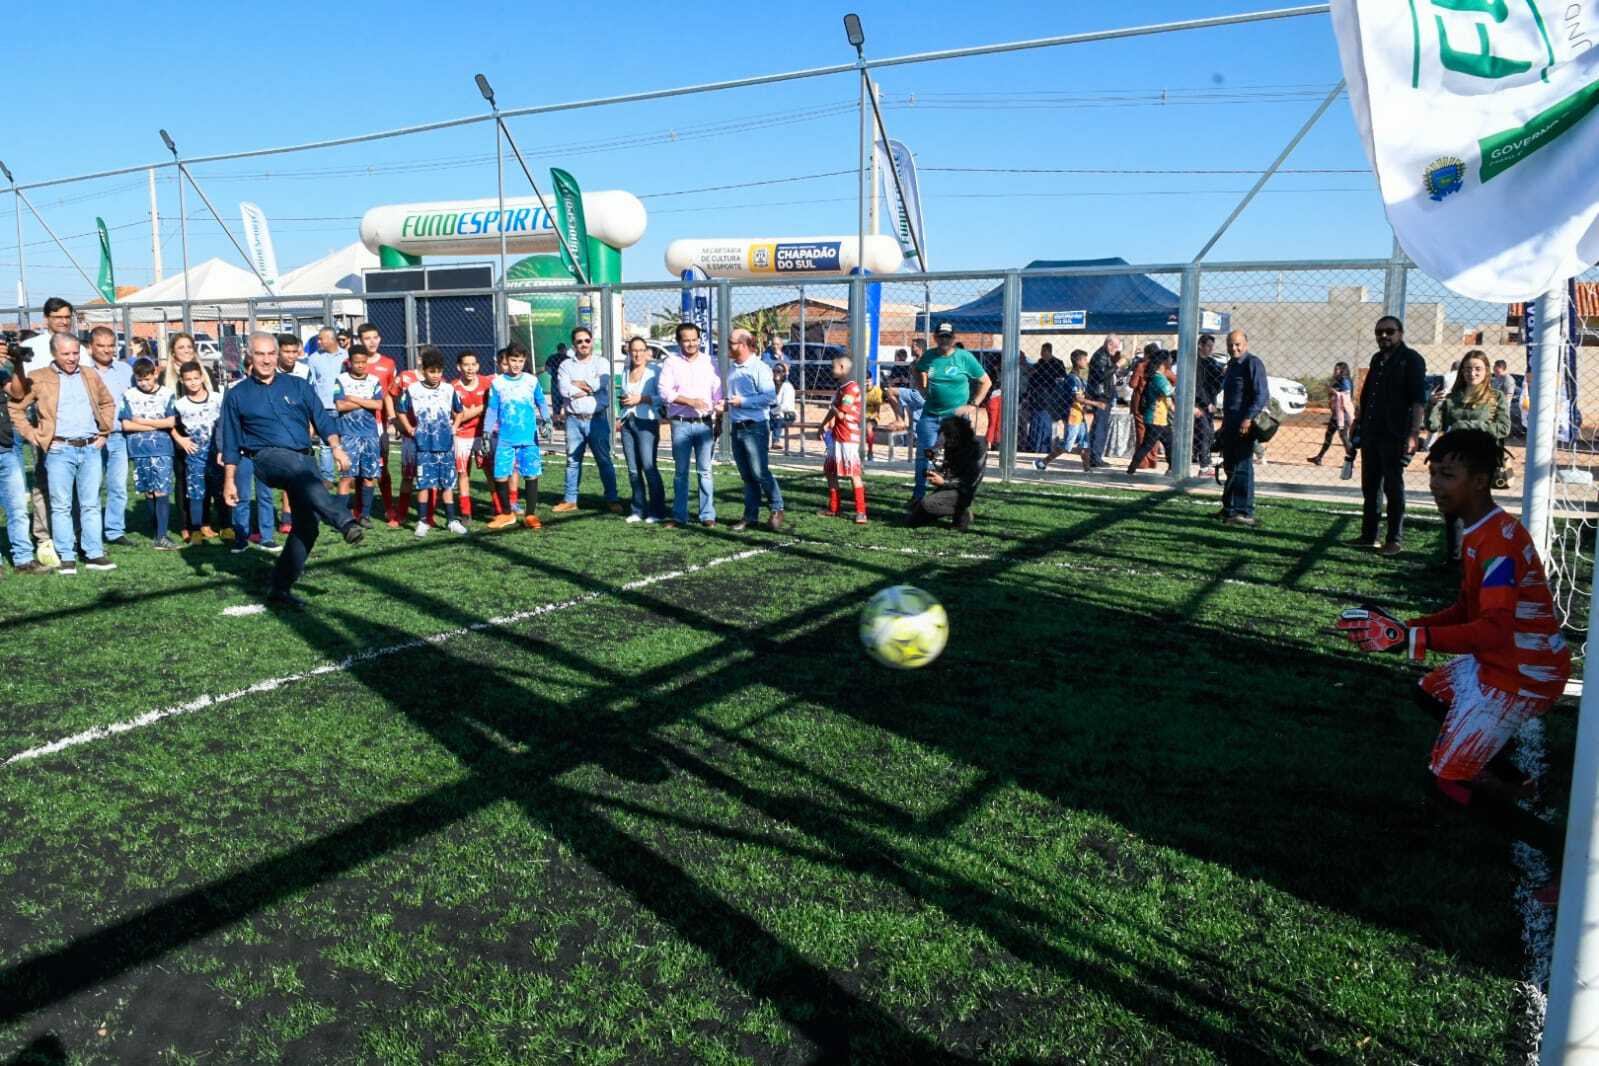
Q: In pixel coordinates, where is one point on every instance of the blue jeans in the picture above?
(640, 440)
(692, 440)
(116, 486)
(1238, 459)
(926, 438)
(595, 435)
(265, 517)
(14, 498)
(1099, 436)
(77, 469)
(309, 500)
(751, 443)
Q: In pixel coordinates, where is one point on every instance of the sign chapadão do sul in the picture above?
(1479, 118)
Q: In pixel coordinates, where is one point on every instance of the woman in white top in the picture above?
(641, 432)
(782, 412)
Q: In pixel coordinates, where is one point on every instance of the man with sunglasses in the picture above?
(1388, 423)
(583, 383)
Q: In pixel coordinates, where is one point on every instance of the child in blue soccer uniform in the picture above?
(149, 418)
(198, 410)
(429, 409)
(516, 404)
(358, 399)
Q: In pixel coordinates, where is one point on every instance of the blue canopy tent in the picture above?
(1087, 303)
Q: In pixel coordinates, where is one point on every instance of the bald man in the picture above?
(750, 394)
(1244, 393)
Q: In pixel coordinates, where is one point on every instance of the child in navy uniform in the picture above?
(358, 398)
(198, 410)
(149, 418)
(429, 410)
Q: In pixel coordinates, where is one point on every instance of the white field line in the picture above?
(1537, 921)
(200, 703)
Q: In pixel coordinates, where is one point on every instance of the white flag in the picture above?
(258, 238)
(1479, 120)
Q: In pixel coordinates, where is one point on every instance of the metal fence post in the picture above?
(607, 332)
(1010, 376)
(1393, 288)
(859, 340)
(410, 330)
(1182, 444)
(249, 311)
(327, 311)
(724, 329)
(799, 396)
(1538, 479)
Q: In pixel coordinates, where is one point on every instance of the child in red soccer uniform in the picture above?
(473, 389)
(1512, 663)
(840, 431)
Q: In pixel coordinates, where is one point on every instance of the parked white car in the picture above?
(1289, 394)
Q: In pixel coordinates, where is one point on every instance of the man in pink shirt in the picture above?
(692, 392)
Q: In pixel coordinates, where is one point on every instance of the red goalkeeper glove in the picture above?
(1372, 629)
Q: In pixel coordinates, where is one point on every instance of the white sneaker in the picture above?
(422, 529)
(633, 519)
(455, 526)
(45, 552)
(652, 521)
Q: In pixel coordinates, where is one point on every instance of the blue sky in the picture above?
(1221, 99)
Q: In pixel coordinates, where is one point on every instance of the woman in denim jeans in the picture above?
(641, 432)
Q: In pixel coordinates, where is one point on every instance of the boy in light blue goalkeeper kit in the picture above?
(358, 398)
(429, 408)
(516, 403)
(149, 416)
(198, 410)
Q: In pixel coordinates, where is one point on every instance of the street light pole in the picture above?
(183, 230)
(501, 321)
(857, 38)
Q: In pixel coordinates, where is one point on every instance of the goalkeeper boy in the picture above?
(1511, 662)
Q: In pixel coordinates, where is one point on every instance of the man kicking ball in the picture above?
(1511, 661)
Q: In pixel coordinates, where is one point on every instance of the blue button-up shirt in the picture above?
(325, 368)
(118, 378)
(279, 415)
(1244, 391)
(751, 381)
(74, 412)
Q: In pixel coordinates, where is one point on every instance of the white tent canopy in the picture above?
(339, 271)
(213, 283)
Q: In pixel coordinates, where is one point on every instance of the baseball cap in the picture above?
(943, 328)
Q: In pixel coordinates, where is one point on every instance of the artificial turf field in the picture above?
(643, 800)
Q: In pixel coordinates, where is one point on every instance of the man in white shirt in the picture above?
(584, 383)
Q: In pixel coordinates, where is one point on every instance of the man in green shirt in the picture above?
(954, 383)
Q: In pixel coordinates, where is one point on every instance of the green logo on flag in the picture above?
(1501, 151)
(107, 282)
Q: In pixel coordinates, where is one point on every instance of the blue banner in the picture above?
(874, 314)
(696, 305)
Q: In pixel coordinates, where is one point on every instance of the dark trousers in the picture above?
(309, 499)
(940, 503)
(1204, 439)
(1153, 435)
(1382, 473)
(1238, 460)
(1099, 435)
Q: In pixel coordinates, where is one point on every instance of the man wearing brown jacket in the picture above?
(74, 412)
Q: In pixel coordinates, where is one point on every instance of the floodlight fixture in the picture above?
(486, 89)
(852, 30)
(7, 172)
(166, 139)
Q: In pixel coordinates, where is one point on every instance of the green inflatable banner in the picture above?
(107, 283)
(569, 219)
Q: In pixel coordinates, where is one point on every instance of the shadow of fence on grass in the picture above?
(1028, 728)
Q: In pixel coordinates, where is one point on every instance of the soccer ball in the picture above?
(904, 627)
